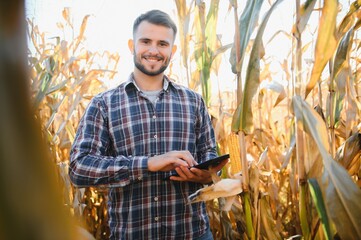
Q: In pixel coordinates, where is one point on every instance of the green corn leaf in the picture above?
(211, 24)
(247, 24)
(243, 117)
(45, 82)
(340, 76)
(303, 212)
(342, 54)
(317, 198)
(207, 37)
(248, 213)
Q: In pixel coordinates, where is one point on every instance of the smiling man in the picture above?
(131, 138)
(152, 50)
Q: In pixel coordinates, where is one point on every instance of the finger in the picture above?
(179, 162)
(194, 163)
(202, 176)
(182, 172)
(177, 178)
(187, 157)
(181, 176)
(199, 172)
(187, 174)
(193, 175)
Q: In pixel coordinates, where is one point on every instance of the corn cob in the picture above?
(234, 152)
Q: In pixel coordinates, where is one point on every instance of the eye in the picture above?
(163, 44)
(145, 41)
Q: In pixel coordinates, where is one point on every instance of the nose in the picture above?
(153, 49)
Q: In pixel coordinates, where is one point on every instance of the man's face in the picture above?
(152, 48)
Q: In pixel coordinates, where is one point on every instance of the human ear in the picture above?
(131, 45)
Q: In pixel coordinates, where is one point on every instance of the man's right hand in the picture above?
(170, 160)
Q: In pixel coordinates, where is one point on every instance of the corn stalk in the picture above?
(242, 122)
(208, 46)
(64, 76)
(302, 15)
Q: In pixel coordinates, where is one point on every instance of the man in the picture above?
(133, 137)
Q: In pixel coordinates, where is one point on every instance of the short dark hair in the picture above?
(156, 17)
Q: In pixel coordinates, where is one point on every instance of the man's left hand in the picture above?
(196, 175)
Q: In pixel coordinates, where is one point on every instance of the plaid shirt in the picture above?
(119, 131)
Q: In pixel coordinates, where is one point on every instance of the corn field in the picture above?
(294, 142)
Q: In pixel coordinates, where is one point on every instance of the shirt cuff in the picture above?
(138, 168)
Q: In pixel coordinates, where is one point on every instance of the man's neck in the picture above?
(148, 83)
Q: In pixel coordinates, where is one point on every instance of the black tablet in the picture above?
(209, 163)
(212, 162)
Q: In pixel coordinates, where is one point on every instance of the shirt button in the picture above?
(156, 199)
(156, 219)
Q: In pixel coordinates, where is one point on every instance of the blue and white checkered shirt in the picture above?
(119, 131)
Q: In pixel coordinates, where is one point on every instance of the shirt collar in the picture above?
(166, 83)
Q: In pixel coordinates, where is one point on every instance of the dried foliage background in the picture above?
(295, 146)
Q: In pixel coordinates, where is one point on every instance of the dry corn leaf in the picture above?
(224, 188)
(349, 152)
(326, 42)
(341, 194)
(267, 221)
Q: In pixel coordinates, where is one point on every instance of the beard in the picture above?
(142, 68)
